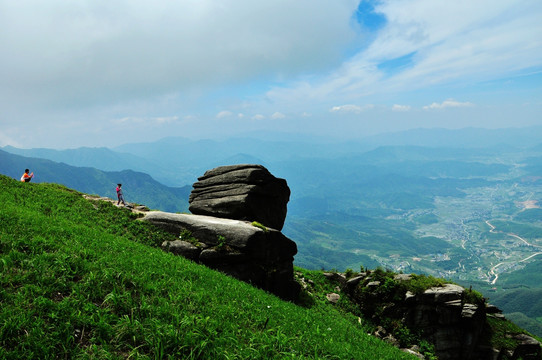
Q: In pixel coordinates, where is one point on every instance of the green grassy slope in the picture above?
(79, 280)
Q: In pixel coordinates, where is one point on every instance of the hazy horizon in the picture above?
(468, 137)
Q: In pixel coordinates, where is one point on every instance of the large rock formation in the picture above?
(453, 325)
(241, 192)
(238, 213)
(447, 316)
(262, 257)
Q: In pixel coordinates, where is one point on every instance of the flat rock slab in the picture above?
(241, 235)
(261, 257)
(448, 292)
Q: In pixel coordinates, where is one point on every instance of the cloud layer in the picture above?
(89, 52)
(77, 72)
(434, 44)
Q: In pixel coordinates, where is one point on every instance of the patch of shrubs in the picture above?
(259, 226)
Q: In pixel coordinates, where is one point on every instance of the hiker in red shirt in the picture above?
(26, 176)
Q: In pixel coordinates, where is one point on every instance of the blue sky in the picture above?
(104, 73)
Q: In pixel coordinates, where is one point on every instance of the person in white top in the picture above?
(26, 176)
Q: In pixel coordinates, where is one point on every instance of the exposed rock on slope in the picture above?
(241, 192)
(249, 253)
(455, 322)
(220, 235)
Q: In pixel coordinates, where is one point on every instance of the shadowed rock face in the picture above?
(249, 253)
(457, 329)
(241, 192)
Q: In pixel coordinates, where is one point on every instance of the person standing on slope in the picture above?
(119, 195)
(26, 176)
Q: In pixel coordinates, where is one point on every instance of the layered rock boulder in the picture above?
(241, 192)
(261, 256)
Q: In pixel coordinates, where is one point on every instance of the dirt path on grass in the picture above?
(135, 208)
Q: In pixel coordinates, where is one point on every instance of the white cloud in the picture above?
(450, 103)
(400, 108)
(258, 117)
(349, 108)
(166, 119)
(127, 120)
(224, 114)
(190, 118)
(462, 37)
(346, 109)
(278, 115)
(160, 120)
(426, 43)
(63, 52)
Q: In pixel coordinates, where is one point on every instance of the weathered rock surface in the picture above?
(183, 248)
(333, 297)
(249, 253)
(457, 329)
(529, 348)
(453, 325)
(241, 192)
(340, 278)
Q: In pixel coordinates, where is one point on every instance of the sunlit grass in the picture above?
(83, 280)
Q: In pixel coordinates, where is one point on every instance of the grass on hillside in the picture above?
(80, 281)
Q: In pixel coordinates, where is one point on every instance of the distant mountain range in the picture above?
(138, 187)
(414, 201)
(177, 161)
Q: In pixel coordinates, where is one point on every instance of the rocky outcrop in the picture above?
(446, 316)
(451, 324)
(262, 257)
(238, 212)
(528, 348)
(241, 192)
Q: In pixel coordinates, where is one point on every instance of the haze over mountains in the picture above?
(417, 201)
(178, 161)
(142, 187)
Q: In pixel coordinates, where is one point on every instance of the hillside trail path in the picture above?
(135, 208)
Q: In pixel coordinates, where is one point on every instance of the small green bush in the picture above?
(260, 226)
(221, 243)
(501, 330)
(428, 350)
(473, 297)
(403, 334)
(186, 235)
(349, 273)
(419, 283)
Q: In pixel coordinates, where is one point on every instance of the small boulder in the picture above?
(183, 248)
(402, 277)
(352, 283)
(333, 297)
(528, 348)
(337, 277)
(442, 294)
